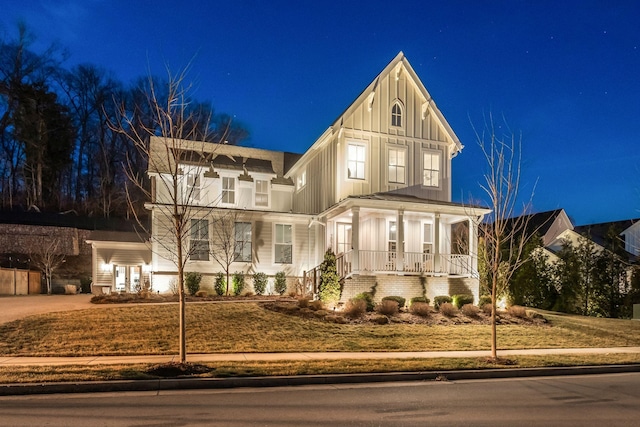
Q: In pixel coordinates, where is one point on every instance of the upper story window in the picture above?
(283, 244)
(228, 190)
(396, 114)
(302, 180)
(356, 160)
(193, 186)
(262, 193)
(397, 165)
(199, 245)
(431, 169)
(242, 247)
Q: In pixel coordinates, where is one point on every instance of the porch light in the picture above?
(106, 267)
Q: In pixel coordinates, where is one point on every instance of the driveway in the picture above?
(17, 307)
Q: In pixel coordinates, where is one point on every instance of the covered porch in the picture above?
(402, 235)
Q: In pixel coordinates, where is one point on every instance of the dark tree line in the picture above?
(583, 279)
(58, 151)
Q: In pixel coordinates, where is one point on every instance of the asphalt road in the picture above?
(589, 400)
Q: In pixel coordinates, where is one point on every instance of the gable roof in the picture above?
(598, 232)
(400, 62)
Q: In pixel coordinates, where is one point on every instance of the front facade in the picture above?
(375, 188)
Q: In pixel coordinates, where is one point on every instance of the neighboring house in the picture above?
(375, 187)
(631, 236)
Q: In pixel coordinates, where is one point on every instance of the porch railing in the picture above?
(387, 262)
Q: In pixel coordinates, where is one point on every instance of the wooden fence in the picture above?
(19, 282)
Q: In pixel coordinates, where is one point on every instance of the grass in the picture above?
(223, 328)
(41, 374)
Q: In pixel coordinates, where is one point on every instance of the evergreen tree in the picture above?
(329, 280)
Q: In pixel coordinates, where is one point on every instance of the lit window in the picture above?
(228, 190)
(356, 161)
(427, 239)
(393, 239)
(302, 180)
(242, 248)
(396, 115)
(199, 247)
(262, 193)
(431, 169)
(344, 237)
(283, 246)
(396, 165)
(193, 187)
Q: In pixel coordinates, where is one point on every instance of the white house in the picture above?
(375, 187)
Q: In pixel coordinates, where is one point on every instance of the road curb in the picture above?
(298, 380)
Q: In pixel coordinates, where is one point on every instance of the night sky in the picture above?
(564, 74)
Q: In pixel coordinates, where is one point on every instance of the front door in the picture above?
(344, 237)
(127, 278)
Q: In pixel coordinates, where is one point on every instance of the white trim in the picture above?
(358, 144)
(399, 148)
(422, 168)
(273, 246)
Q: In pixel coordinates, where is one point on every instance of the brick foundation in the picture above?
(409, 286)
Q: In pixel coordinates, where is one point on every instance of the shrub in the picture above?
(420, 309)
(260, 281)
(238, 283)
(85, 285)
(303, 302)
(517, 311)
(329, 280)
(470, 310)
(419, 299)
(220, 284)
(192, 282)
(484, 299)
(439, 300)
(335, 319)
(202, 294)
(487, 308)
(281, 283)
(448, 309)
(367, 297)
(380, 319)
(355, 308)
(174, 286)
(400, 300)
(388, 307)
(316, 305)
(461, 300)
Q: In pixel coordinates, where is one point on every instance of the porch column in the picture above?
(436, 244)
(400, 241)
(355, 239)
(473, 245)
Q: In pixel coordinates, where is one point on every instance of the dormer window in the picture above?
(193, 186)
(262, 193)
(228, 190)
(396, 114)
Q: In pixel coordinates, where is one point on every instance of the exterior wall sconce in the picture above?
(106, 267)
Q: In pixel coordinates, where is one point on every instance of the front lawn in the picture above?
(247, 327)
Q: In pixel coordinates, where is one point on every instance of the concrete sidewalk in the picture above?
(111, 360)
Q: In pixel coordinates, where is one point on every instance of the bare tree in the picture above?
(504, 232)
(48, 258)
(230, 242)
(168, 140)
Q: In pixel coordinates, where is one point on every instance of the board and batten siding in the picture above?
(327, 181)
